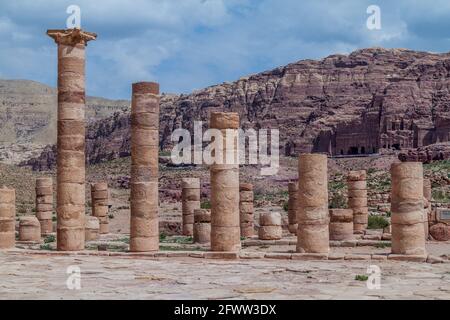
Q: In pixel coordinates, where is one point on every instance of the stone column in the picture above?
(202, 226)
(70, 162)
(29, 229)
(225, 221)
(292, 207)
(144, 226)
(7, 218)
(312, 215)
(92, 228)
(270, 226)
(341, 224)
(357, 199)
(246, 209)
(408, 235)
(99, 199)
(427, 206)
(190, 197)
(44, 204)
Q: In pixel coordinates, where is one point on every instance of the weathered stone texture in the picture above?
(99, 201)
(7, 218)
(292, 207)
(44, 204)
(190, 197)
(246, 210)
(357, 199)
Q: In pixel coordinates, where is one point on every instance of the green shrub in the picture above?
(377, 222)
(286, 206)
(49, 239)
(361, 277)
(205, 205)
(338, 201)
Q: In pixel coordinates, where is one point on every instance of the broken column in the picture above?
(29, 229)
(246, 209)
(202, 226)
(44, 204)
(70, 162)
(408, 235)
(427, 206)
(7, 218)
(357, 199)
(341, 224)
(270, 226)
(292, 207)
(144, 226)
(99, 199)
(225, 221)
(312, 214)
(190, 197)
(92, 228)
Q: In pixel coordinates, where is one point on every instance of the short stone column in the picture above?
(92, 229)
(29, 229)
(44, 204)
(270, 226)
(246, 210)
(144, 226)
(99, 199)
(427, 194)
(408, 236)
(292, 207)
(357, 199)
(7, 218)
(225, 221)
(190, 201)
(341, 224)
(70, 161)
(202, 226)
(312, 214)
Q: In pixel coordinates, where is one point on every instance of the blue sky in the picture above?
(190, 44)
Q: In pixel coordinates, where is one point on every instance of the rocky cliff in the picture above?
(361, 103)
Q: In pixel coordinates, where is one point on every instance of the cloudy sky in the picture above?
(190, 44)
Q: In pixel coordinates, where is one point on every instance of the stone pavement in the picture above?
(44, 277)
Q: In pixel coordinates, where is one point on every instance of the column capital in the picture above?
(71, 37)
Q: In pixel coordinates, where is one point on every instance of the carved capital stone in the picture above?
(71, 37)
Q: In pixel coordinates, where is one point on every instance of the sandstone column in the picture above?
(312, 215)
(292, 207)
(92, 228)
(341, 224)
(246, 209)
(202, 226)
(99, 199)
(7, 218)
(44, 204)
(357, 199)
(70, 198)
(190, 197)
(270, 226)
(427, 206)
(408, 235)
(29, 229)
(144, 226)
(225, 221)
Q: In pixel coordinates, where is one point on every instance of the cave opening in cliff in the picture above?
(396, 146)
(353, 150)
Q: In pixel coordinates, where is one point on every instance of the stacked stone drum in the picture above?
(92, 228)
(7, 218)
(29, 229)
(202, 226)
(99, 196)
(246, 210)
(270, 226)
(357, 199)
(190, 197)
(292, 207)
(44, 204)
(341, 224)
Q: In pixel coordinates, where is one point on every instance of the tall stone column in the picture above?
(7, 218)
(357, 199)
(190, 197)
(225, 226)
(246, 210)
(292, 207)
(408, 235)
(99, 199)
(312, 215)
(427, 194)
(70, 197)
(144, 226)
(44, 204)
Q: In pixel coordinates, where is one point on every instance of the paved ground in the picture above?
(44, 277)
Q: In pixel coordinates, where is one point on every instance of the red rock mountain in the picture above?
(343, 104)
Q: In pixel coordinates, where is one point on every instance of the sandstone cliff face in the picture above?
(360, 103)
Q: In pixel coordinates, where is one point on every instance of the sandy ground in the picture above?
(45, 277)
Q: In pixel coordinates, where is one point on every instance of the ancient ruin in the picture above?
(246, 210)
(44, 204)
(70, 196)
(144, 228)
(357, 199)
(7, 218)
(92, 229)
(190, 195)
(312, 215)
(202, 226)
(270, 226)
(408, 236)
(341, 224)
(224, 175)
(99, 199)
(292, 207)
(29, 229)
